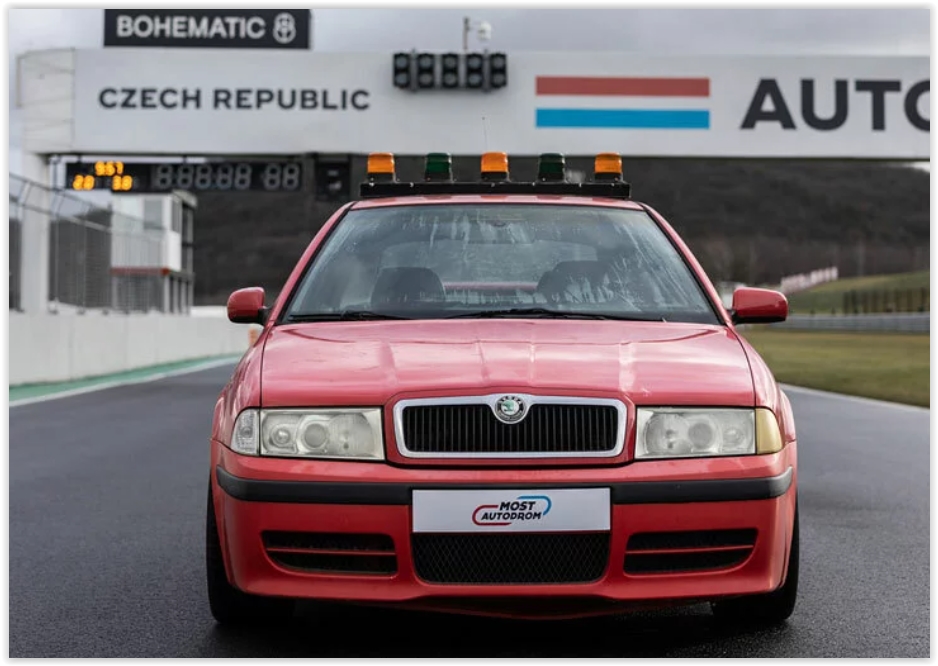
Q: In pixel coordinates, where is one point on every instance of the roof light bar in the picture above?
(606, 190)
(551, 178)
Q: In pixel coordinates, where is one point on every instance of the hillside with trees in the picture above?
(746, 220)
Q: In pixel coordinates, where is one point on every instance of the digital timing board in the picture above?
(161, 177)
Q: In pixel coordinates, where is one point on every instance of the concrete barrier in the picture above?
(57, 348)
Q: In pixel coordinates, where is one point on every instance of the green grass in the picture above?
(830, 296)
(885, 366)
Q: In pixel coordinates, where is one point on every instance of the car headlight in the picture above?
(342, 434)
(676, 432)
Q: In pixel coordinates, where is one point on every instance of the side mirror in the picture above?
(246, 306)
(758, 306)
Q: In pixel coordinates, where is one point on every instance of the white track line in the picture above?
(855, 398)
(125, 382)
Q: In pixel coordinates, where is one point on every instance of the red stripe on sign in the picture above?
(630, 86)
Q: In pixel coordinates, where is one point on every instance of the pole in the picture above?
(465, 34)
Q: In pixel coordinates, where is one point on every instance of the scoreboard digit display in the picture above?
(161, 177)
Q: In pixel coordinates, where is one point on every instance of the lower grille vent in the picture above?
(342, 553)
(679, 552)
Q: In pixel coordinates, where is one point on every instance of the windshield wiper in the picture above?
(547, 313)
(367, 315)
(348, 315)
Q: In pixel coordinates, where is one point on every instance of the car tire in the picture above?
(766, 609)
(228, 604)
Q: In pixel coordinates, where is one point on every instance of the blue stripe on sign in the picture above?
(625, 118)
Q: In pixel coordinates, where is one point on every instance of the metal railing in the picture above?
(877, 301)
(98, 259)
(896, 322)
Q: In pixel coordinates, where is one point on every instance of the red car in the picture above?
(522, 399)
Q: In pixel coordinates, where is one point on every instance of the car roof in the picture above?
(543, 199)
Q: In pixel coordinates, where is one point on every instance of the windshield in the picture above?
(433, 261)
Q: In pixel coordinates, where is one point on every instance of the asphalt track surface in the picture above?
(107, 502)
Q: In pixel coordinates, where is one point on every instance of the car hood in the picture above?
(368, 363)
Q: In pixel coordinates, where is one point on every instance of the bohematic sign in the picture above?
(208, 28)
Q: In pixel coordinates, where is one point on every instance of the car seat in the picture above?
(396, 286)
(575, 282)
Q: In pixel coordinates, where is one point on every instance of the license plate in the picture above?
(554, 510)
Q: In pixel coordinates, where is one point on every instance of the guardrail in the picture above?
(904, 322)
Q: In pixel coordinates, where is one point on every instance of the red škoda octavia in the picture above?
(505, 398)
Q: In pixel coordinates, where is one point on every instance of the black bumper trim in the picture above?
(634, 492)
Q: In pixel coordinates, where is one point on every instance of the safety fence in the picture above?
(911, 322)
(886, 300)
(97, 258)
(862, 301)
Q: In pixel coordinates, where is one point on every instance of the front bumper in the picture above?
(255, 497)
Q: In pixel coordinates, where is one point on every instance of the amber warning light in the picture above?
(381, 167)
(608, 166)
(495, 166)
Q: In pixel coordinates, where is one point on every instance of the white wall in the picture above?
(54, 348)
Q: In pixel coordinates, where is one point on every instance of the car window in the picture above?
(440, 260)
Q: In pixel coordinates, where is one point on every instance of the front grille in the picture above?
(321, 552)
(506, 559)
(559, 429)
(677, 552)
